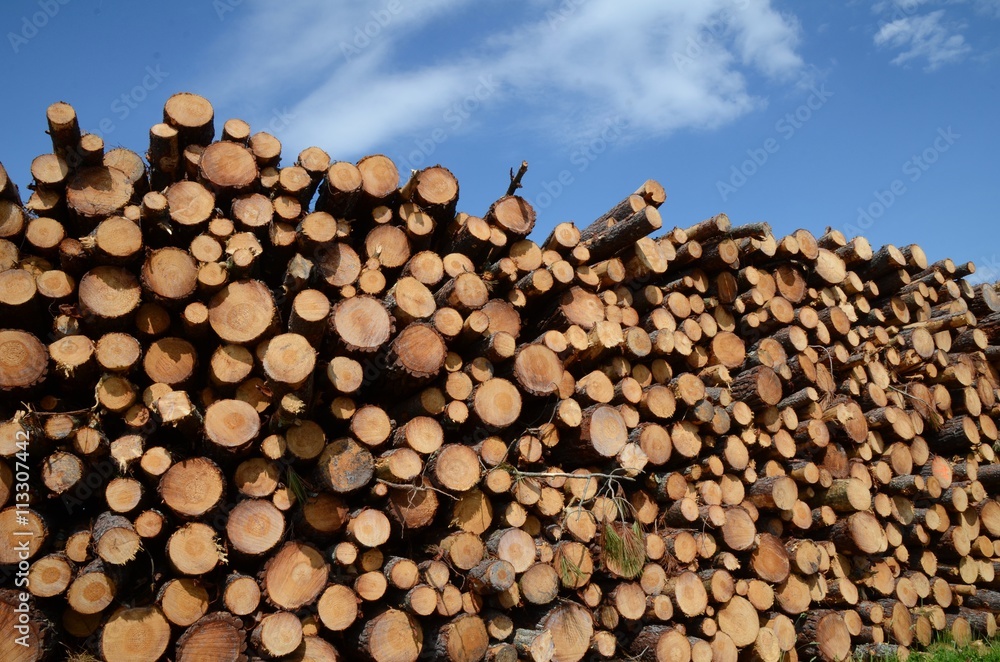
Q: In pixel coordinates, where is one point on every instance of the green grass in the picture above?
(947, 652)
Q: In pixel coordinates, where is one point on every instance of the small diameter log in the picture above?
(114, 539)
(535, 645)
(491, 576)
(616, 236)
(345, 466)
(241, 595)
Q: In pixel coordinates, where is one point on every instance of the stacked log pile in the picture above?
(313, 412)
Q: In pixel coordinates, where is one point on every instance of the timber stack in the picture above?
(313, 411)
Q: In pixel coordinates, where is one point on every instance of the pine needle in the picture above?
(624, 549)
(295, 482)
(569, 572)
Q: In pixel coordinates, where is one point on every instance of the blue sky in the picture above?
(872, 117)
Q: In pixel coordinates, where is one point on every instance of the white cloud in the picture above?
(560, 68)
(990, 8)
(925, 37)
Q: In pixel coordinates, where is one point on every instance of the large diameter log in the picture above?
(739, 620)
(227, 168)
(538, 370)
(25, 630)
(571, 627)
(757, 387)
(23, 361)
(657, 643)
(192, 487)
(108, 294)
(140, 633)
(231, 424)
(295, 575)
(860, 533)
(825, 633)
(496, 403)
(418, 352)
(192, 116)
(242, 312)
(603, 431)
(361, 323)
(513, 214)
(435, 189)
(255, 526)
(216, 636)
(96, 193)
(463, 639)
(379, 176)
(288, 360)
(392, 636)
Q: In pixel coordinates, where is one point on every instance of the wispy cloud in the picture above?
(927, 37)
(990, 8)
(928, 31)
(559, 68)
